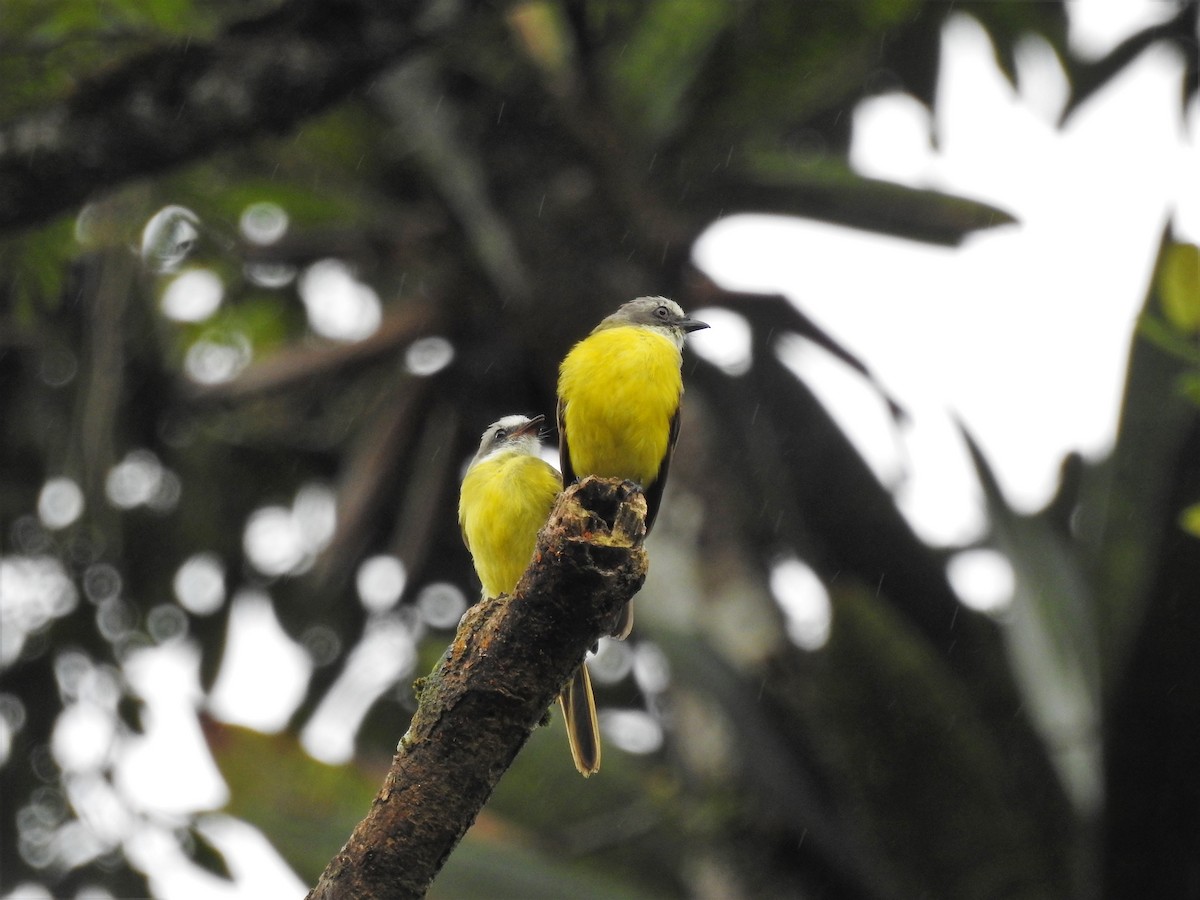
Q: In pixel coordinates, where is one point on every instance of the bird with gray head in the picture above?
(619, 394)
(664, 316)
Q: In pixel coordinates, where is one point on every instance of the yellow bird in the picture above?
(619, 391)
(506, 497)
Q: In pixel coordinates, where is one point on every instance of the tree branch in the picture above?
(507, 663)
(176, 104)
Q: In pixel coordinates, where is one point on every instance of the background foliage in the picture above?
(502, 175)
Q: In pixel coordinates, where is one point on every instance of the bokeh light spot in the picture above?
(651, 670)
(166, 622)
(60, 502)
(115, 619)
(272, 540)
(441, 604)
(315, 512)
(263, 223)
(322, 643)
(218, 357)
(193, 296)
(633, 730)
(58, 366)
(82, 738)
(200, 584)
(168, 238)
(101, 581)
(339, 306)
(134, 480)
(428, 355)
(34, 590)
(804, 602)
(380, 582)
(612, 661)
(270, 275)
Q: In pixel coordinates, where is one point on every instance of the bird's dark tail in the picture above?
(579, 713)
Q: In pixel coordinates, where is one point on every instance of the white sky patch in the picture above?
(147, 772)
(983, 579)
(1095, 27)
(726, 344)
(265, 673)
(907, 124)
(940, 494)
(258, 870)
(853, 403)
(979, 332)
(387, 653)
(1041, 79)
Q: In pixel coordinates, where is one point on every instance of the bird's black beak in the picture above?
(533, 426)
(688, 324)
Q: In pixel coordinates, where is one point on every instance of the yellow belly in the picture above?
(620, 388)
(504, 503)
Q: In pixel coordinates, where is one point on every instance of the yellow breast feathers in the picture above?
(505, 501)
(619, 388)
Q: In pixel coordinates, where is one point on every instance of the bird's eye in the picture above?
(662, 312)
(501, 434)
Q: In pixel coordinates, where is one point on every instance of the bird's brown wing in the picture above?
(624, 623)
(655, 491)
(564, 449)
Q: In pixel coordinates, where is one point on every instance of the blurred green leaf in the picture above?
(1189, 520)
(826, 187)
(1052, 636)
(664, 56)
(207, 856)
(880, 702)
(1124, 510)
(482, 869)
(34, 265)
(1178, 284)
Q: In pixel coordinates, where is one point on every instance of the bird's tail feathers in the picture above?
(583, 729)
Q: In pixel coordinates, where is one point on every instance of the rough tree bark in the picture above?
(505, 666)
